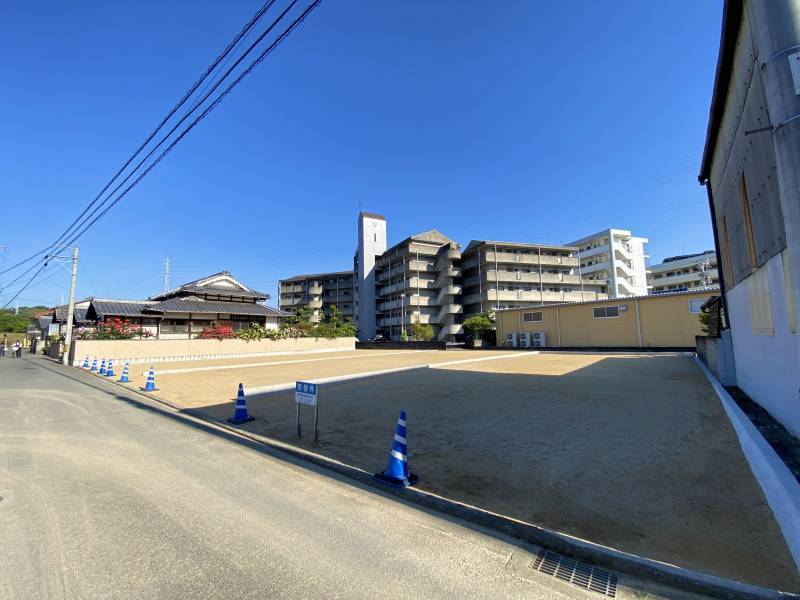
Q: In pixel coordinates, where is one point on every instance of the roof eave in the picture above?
(731, 22)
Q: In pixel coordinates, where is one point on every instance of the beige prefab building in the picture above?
(656, 321)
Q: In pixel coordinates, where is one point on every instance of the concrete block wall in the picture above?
(154, 351)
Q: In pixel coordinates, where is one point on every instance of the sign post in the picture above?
(307, 393)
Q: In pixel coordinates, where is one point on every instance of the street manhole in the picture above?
(576, 572)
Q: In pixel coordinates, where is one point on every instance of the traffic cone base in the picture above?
(240, 414)
(395, 482)
(150, 386)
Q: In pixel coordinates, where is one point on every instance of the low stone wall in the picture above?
(717, 354)
(154, 351)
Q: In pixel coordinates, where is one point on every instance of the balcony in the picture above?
(529, 259)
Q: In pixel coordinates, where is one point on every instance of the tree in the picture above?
(478, 325)
(422, 331)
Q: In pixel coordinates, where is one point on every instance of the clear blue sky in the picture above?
(567, 117)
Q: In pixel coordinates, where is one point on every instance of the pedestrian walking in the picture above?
(2, 350)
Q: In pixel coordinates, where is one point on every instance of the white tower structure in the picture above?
(371, 243)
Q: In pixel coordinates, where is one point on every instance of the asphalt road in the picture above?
(108, 496)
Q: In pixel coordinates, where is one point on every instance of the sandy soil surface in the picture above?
(210, 387)
(630, 451)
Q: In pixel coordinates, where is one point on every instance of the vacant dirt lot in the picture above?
(629, 451)
(212, 382)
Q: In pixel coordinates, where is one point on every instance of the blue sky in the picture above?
(518, 120)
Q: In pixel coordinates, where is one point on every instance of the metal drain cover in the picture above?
(576, 572)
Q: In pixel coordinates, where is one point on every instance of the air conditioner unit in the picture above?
(523, 339)
(511, 340)
(538, 339)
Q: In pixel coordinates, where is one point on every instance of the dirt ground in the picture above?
(629, 451)
(212, 382)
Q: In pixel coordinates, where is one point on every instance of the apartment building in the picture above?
(498, 275)
(318, 292)
(418, 281)
(685, 272)
(617, 257)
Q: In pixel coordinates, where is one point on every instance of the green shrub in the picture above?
(422, 331)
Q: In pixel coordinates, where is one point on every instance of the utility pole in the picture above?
(165, 286)
(71, 307)
(16, 307)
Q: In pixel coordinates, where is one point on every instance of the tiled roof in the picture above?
(212, 306)
(60, 313)
(117, 308)
(213, 291)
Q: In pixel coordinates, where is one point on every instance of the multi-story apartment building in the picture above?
(685, 272)
(510, 274)
(318, 292)
(418, 281)
(617, 257)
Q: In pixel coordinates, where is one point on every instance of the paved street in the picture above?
(106, 497)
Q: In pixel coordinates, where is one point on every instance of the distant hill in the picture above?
(11, 323)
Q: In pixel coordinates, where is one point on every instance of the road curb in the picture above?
(637, 566)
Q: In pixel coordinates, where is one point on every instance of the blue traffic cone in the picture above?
(240, 414)
(110, 368)
(103, 367)
(85, 362)
(396, 473)
(94, 365)
(150, 386)
(124, 377)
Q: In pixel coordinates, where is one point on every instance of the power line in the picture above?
(182, 120)
(86, 226)
(292, 26)
(223, 56)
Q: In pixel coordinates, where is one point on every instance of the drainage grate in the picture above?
(576, 572)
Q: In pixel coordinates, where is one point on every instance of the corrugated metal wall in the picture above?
(737, 153)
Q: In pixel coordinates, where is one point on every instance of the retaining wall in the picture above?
(153, 351)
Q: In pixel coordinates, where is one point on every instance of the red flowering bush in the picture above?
(118, 329)
(217, 331)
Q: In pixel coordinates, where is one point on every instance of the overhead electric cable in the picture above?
(86, 224)
(224, 56)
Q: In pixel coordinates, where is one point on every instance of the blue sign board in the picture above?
(306, 393)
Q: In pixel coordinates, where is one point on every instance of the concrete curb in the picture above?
(776, 481)
(631, 564)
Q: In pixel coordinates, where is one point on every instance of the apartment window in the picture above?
(532, 316)
(748, 224)
(605, 312)
(694, 306)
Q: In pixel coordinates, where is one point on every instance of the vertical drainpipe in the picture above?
(541, 284)
(496, 279)
(638, 324)
(480, 283)
(720, 261)
(558, 326)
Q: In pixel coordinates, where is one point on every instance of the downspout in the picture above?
(558, 326)
(720, 261)
(638, 324)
